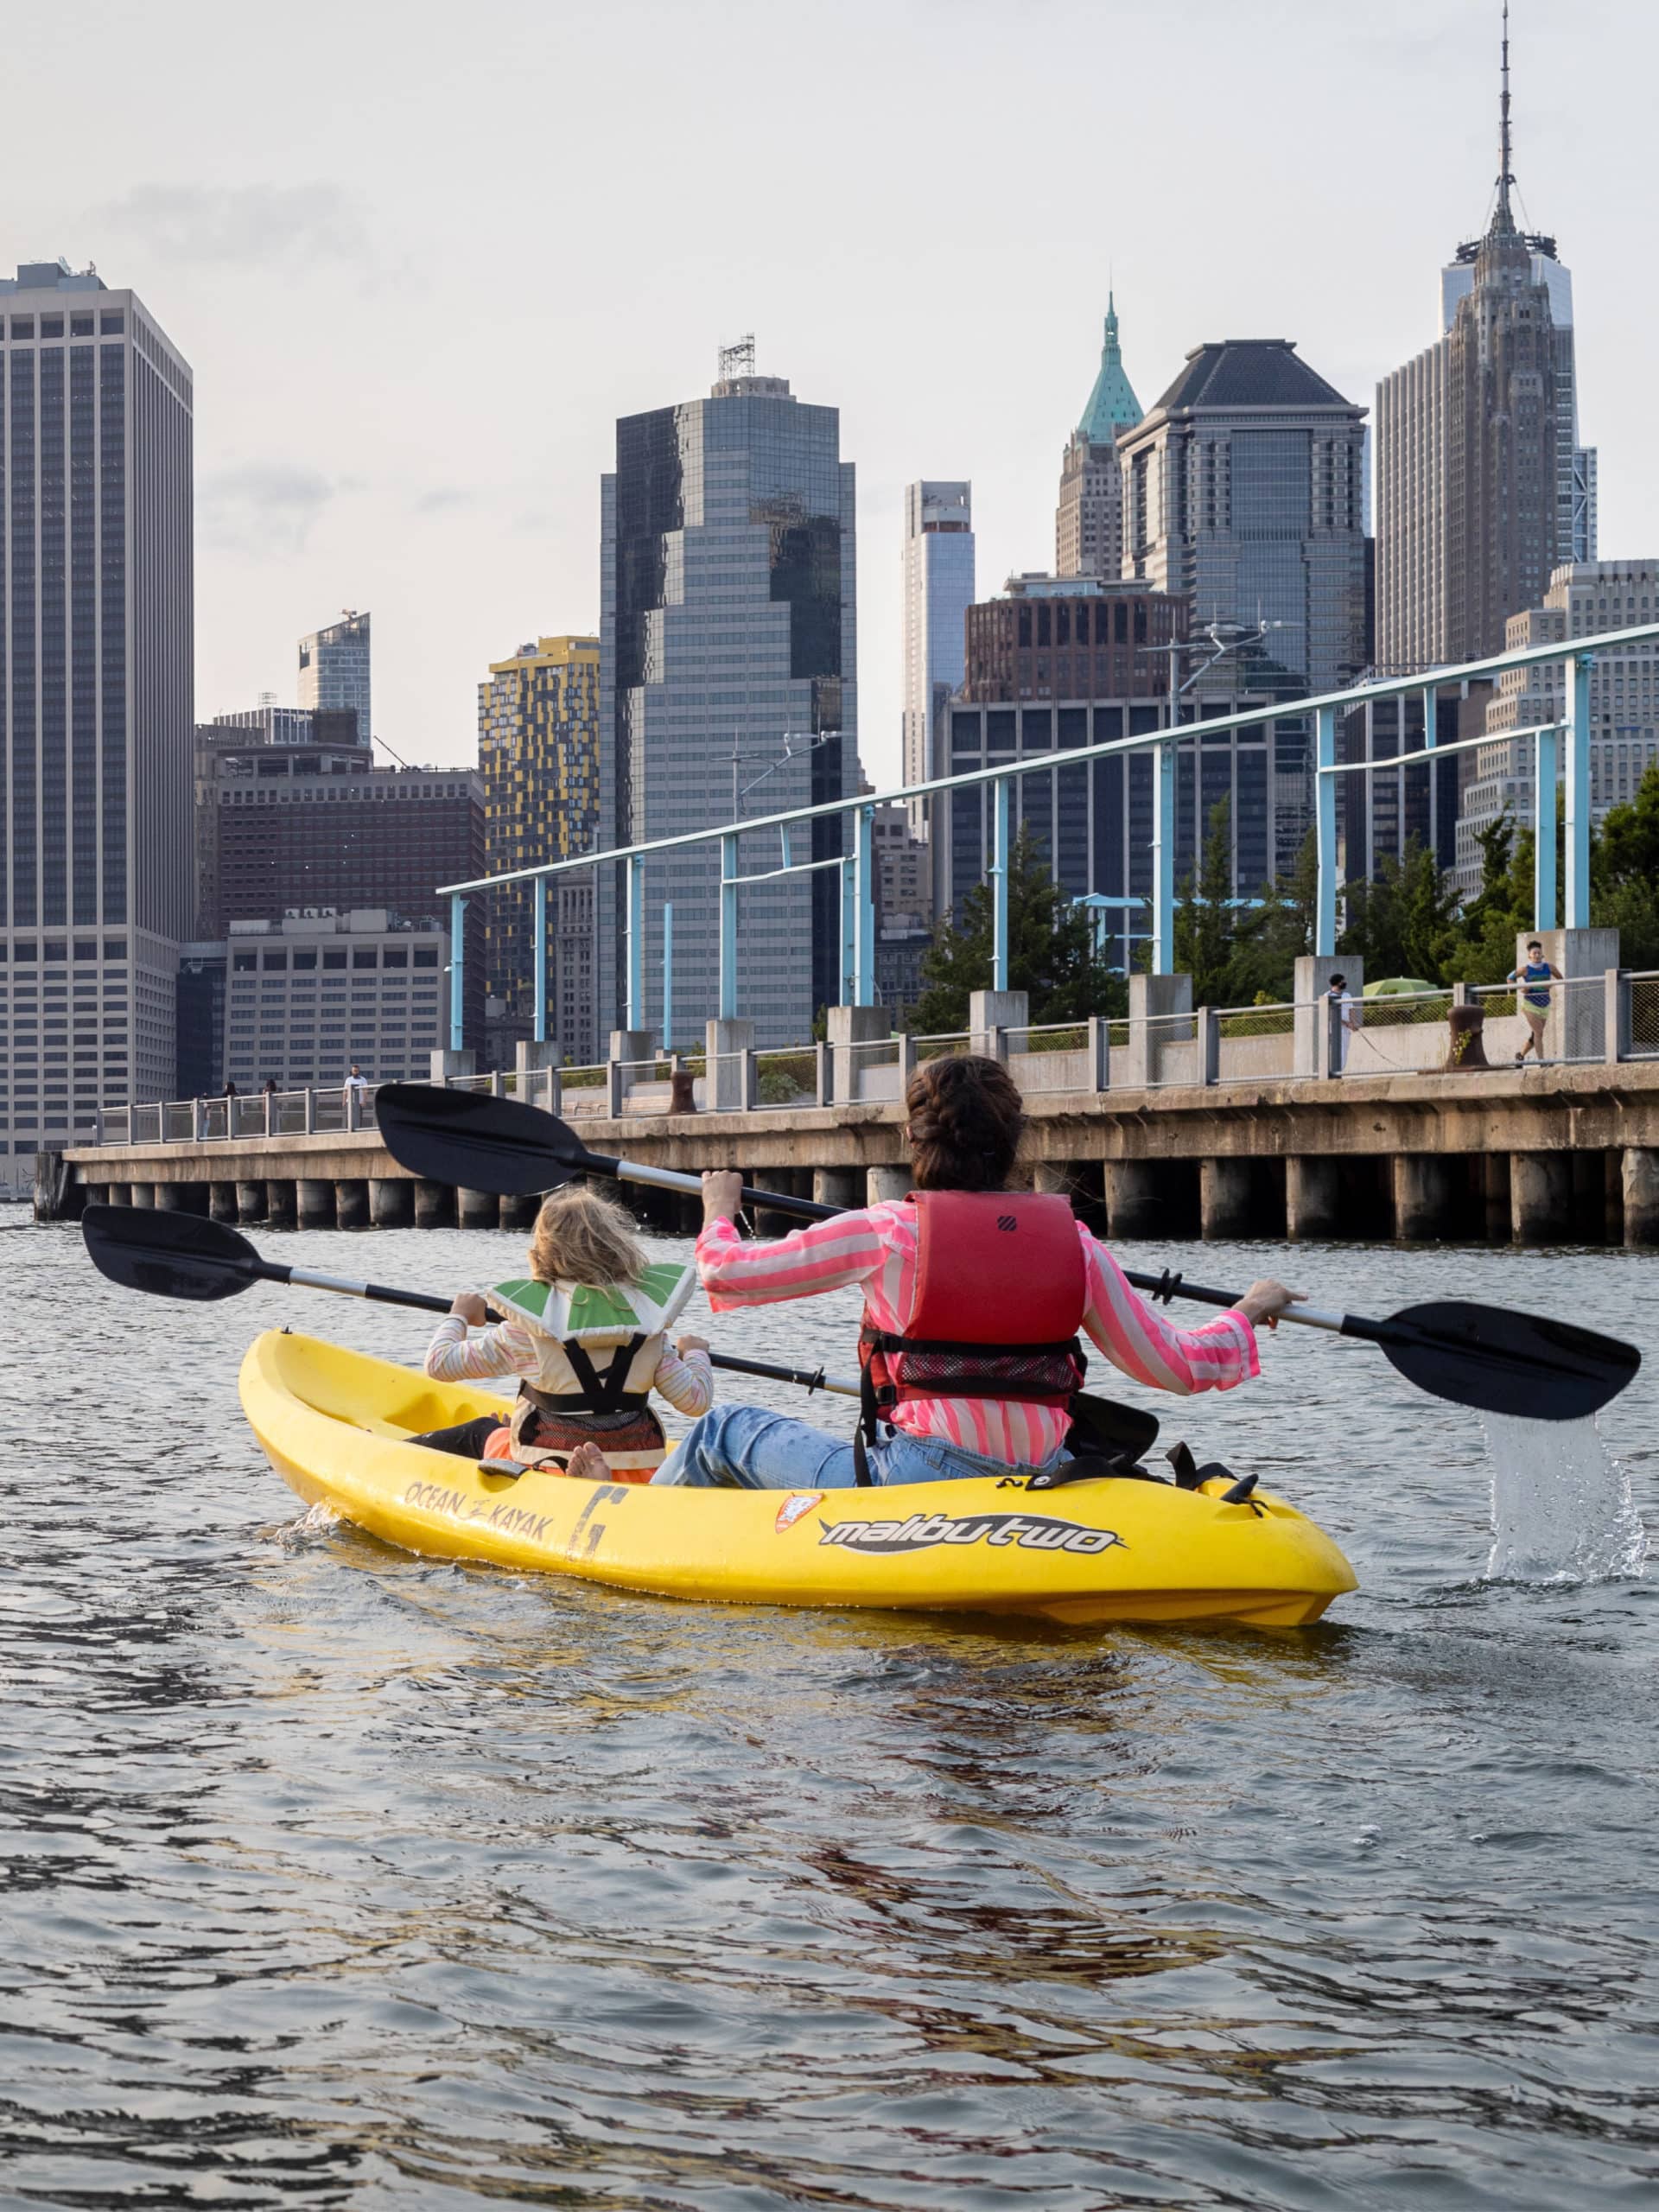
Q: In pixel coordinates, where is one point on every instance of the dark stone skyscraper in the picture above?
(727, 657)
(95, 700)
(1482, 488)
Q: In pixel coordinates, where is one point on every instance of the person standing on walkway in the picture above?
(1535, 979)
(1339, 996)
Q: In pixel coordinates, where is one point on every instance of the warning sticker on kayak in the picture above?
(793, 1507)
(922, 1531)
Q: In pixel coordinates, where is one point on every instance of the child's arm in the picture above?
(505, 1350)
(684, 1377)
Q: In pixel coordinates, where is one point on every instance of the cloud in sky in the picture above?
(264, 509)
(262, 224)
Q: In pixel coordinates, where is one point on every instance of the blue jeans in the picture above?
(745, 1447)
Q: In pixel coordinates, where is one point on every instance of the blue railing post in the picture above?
(863, 910)
(668, 977)
(1001, 794)
(848, 908)
(1578, 791)
(1325, 830)
(457, 972)
(636, 943)
(540, 1031)
(729, 928)
(1543, 828)
(1163, 856)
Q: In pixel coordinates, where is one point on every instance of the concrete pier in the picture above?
(351, 1204)
(1540, 1197)
(391, 1202)
(837, 1186)
(251, 1201)
(221, 1201)
(477, 1208)
(1314, 1201)
(1226, 1198)
(1496, 1181)
(1136, 1204)
(434, 1205)
(520, 1212)
(1639, 1173)
(1506, 1153)
(313, 1201)
(1421, 1198)
(888, 1183)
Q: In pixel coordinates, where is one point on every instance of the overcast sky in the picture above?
(421, 257)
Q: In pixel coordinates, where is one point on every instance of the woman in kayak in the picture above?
(586, 1334)
(973, 1299)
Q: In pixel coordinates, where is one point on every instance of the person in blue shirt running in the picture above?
(1535, 979)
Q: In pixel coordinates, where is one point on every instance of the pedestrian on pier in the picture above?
(1340, 996)
(1535, 979)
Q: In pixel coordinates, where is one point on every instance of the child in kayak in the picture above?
(586, 1334)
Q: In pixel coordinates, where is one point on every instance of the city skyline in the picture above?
(324, 480)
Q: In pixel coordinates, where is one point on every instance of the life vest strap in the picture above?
(600, 1393)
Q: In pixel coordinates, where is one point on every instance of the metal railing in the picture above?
(1560, 754)
(1588, 1019)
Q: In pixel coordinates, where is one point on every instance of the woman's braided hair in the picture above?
(965, 1119)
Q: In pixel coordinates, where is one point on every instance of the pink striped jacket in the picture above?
(876, 1247)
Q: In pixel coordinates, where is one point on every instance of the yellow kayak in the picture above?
(335, 1425)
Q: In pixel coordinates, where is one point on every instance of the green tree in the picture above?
(1205, 919)
(1402, 920)
(1051, 953)
(1625, 875)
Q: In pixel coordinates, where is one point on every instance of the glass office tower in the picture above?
(96, 703)
(334, 669)
(727, 688)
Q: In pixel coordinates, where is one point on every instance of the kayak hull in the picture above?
(335, 1425)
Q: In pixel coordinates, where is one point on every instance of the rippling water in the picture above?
(336, 1876)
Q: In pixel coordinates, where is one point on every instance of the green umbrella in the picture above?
(1399, 986)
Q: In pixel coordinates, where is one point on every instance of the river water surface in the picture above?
(335, 1877)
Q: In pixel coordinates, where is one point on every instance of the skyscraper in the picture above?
(1244, 489)
(334, 669)
(727, 652)
(96, 714)
(538, 756)
(1089, 520)
(1482, 486)
(1583, 597)
(938, 591)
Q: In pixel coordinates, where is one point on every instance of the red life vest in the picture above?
(1000, 1289)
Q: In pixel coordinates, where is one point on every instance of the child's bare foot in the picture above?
(587, 1464)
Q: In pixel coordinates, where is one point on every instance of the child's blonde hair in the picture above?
(582, 1238)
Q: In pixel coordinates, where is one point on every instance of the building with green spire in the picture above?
(1089, 520)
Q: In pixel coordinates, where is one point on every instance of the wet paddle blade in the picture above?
(1501, 1362)
(172, 1255)
(482, 1143)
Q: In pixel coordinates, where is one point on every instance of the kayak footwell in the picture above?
(335, 1424)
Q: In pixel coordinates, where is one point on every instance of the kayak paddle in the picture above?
(516, 1150)
(183, 1256)
(1487, 1357)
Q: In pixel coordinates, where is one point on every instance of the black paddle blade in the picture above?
(466, 1137)
(173, 1254)
(1505, 1363)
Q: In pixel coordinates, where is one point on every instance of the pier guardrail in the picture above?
(1607, 1018)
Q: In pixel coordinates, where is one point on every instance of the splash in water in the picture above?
(1562, 1511)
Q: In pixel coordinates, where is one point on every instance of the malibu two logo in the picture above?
(922, 1531)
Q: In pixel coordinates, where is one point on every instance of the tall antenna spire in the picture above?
(1502, 219)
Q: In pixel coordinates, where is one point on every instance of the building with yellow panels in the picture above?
(537, 753)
